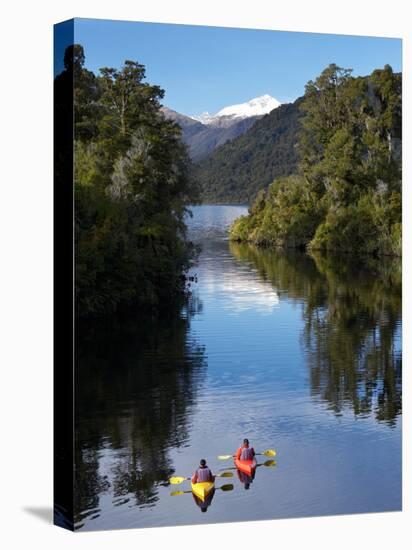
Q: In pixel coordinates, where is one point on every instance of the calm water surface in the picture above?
(297, 353)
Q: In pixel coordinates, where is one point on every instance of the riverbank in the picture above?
(287, 215)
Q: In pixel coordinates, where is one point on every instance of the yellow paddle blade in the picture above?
(225, 474)
(224, 457)
(176, 480)
(227, 487)
(176, 493)
(270, 463)
(269, 452)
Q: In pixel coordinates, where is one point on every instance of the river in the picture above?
(298, 353)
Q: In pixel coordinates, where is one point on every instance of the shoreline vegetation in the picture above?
(346, 197)
(132, 190)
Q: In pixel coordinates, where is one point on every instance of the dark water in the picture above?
(297, 353)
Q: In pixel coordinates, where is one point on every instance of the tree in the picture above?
(128, 103)
(131, 191)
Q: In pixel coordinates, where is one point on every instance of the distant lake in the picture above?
(298, 353)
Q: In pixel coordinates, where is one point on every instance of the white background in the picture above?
(26, 271)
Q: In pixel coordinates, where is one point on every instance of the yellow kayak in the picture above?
(203, 488)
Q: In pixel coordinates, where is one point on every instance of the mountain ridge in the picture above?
(207, 132)
(236, 171)
(202, 139)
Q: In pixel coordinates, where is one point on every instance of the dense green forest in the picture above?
(237, 170)
(346, 195)
(131, 190)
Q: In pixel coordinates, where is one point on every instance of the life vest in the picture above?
(247, 453)
(204, 474)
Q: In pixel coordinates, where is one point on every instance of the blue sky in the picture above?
(207, 68)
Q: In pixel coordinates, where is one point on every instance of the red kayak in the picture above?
(246, 466)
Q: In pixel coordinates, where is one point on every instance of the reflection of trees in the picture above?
(352, 317)
(135, 383)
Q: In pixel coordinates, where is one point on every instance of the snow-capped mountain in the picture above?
(256, 107)
(203, 133)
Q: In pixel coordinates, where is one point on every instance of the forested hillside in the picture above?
(347, 194)
(236, 171)
(131, 190)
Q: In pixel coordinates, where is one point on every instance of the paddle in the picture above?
(267, 463)
(177, 480)
(228, 487)
(268, 452)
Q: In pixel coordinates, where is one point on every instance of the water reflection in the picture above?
(351, 330)
(236, 290)
(136, 387)
(245, 479)
(204, 504)
(287, 349)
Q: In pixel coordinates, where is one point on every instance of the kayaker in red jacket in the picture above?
(203, 473)
(245, 452)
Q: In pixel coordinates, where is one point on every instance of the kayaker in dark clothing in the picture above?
(245, 452)
(203, 473)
